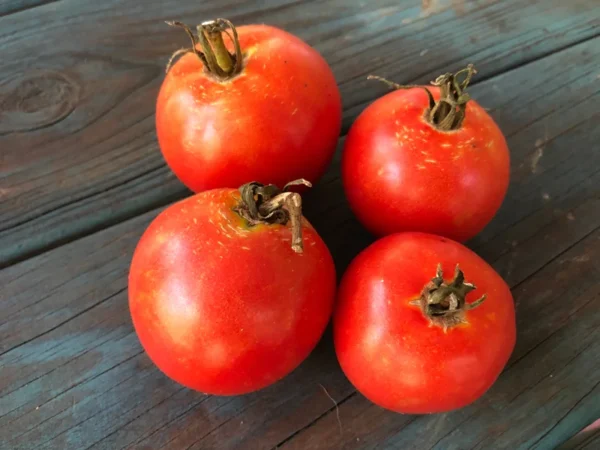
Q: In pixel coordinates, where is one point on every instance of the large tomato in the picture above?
(220, 300)
(274, 117)
(414, 339)
(426, 159)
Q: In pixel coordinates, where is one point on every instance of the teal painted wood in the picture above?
(72, 373)
(75, 377)
(99, 151)
(587, 439)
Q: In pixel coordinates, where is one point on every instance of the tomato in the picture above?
(273, 118)
(220, 300)
(414, 163)
(414, 339)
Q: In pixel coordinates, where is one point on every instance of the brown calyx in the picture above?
(214, 55)
(448, 113)
(268, 204)
(444, 304)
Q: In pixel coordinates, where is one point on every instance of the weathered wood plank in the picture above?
(99, 151)
(82, 367)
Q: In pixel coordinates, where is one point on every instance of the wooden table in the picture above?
(82, 176)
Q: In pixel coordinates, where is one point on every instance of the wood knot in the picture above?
(36, 100)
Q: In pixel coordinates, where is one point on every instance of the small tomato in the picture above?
(263, 107)
(412, 339)
(229, 292)
(426, 159)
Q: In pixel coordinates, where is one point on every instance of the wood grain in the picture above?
(99, 152)
(78, 378)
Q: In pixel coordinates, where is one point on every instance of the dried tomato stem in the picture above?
(448, 113)
(292, 203)
(214, 55)
(267, 204)
(444, 304)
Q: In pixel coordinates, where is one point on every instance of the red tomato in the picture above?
(277, 120)
(412, 340)
(223, 306)
(401, 172)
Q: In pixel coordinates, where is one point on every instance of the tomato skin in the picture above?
(402, 174)
(386, 346)
(277, 121)
(224, 308)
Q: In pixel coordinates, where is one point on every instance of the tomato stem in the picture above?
(448, 113)
(444, 304)
(215, 57)
(270, 205)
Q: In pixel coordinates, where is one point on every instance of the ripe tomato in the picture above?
(411, 338)
(436, 164)
(274, 117)
(220, 300)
